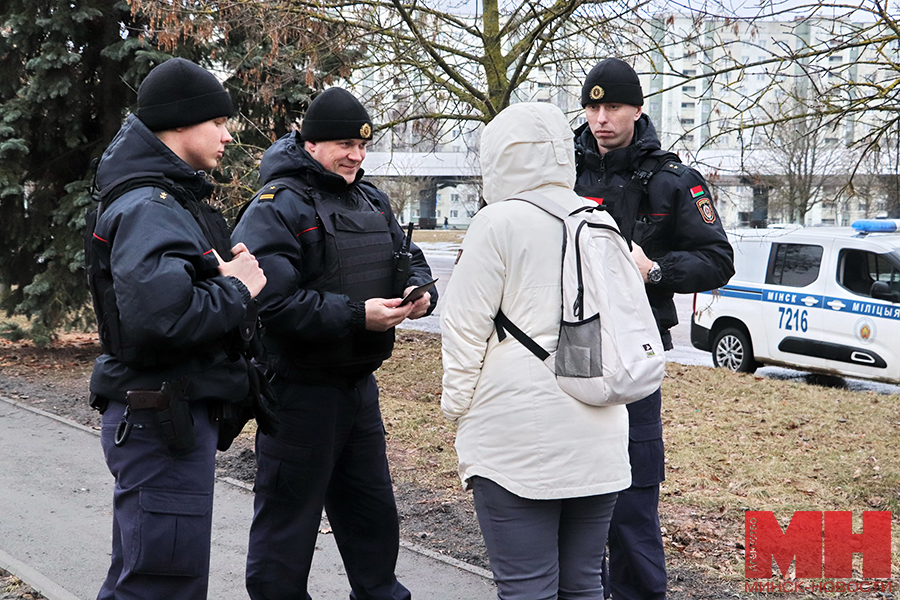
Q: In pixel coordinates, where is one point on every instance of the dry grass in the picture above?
(734, 442)
(439, 235)
(737, 442)
(420, 439)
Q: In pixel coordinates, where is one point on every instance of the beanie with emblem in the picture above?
(612, 81)
(335, 114)
(179, 93)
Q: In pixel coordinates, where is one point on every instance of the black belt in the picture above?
(138, 399)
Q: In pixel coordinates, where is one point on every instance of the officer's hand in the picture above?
(245, 268)
(420, 306)
(384, 313)
(644, 264)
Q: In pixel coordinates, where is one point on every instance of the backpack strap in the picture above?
(544, 203)
(503, 324)
(501, 321)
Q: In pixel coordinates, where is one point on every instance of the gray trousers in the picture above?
(543, 549)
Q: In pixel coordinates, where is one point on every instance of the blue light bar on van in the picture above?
(876, 225)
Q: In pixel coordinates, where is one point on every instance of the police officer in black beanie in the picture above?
(331, 248)
(170, 294)
(665, 209)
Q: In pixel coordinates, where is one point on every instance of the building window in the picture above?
(454, 198)
(454, 214)
(687, 121)
(688, 105)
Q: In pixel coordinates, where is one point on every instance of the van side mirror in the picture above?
(882, 291)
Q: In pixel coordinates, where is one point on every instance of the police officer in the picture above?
(330, 247)
(169, 294)
(665, 208)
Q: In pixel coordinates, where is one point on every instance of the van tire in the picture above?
(731, 349)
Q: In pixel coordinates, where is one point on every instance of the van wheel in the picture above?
(732, 350)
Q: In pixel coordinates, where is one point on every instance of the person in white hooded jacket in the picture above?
(544, 467)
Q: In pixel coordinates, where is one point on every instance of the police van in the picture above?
(821, 299)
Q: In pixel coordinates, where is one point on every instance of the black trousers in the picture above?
(637, 560)
(329, 451)
(162, 508)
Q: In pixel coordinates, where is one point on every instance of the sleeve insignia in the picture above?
(706, 209)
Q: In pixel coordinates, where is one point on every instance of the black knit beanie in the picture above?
(612, 80)
(335, 114)
(178, 93)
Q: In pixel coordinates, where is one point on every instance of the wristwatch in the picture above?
(654, 275)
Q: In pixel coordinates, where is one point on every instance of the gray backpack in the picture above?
(609, 349)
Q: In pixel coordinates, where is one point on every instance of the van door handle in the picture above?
(836, 304)
(809, 301)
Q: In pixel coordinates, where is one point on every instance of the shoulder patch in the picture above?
(674, 167)
(705, 207)
(268, 192)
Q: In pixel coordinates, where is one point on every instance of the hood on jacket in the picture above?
(645, 140)
(526, 146)
(288, 157)
(136, 152)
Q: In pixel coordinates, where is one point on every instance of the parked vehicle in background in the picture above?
(820, 299)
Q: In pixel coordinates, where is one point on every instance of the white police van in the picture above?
(821, 299)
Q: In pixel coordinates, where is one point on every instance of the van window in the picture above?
(858, 270)
(794, 265)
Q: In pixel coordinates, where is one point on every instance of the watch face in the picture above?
(655, 274)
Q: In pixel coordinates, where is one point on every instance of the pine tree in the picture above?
(68, 73)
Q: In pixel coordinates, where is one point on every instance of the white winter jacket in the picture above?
(515, 426)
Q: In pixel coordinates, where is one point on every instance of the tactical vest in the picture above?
(623, 202)
(359, 262)
(103, 294)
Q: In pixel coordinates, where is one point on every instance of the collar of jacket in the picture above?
(138, 152)
(288, 157)
(643, 142)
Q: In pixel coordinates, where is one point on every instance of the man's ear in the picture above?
(638, 112)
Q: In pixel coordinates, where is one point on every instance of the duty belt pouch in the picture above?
(173, 412)
(177, 423)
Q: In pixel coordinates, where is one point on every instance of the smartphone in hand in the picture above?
(417, 292)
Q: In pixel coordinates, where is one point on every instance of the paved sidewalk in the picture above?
(56, 523)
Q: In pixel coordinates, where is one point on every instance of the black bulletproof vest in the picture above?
(623, 202)
(359, 262)
(100, 281)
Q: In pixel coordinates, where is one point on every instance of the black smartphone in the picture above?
(417, 292)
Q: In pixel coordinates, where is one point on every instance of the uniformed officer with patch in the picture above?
(171, 314)
(666, 210)
(334, 256)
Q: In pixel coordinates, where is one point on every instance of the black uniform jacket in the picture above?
(174, 308)
(306, 326)
(677, 224)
